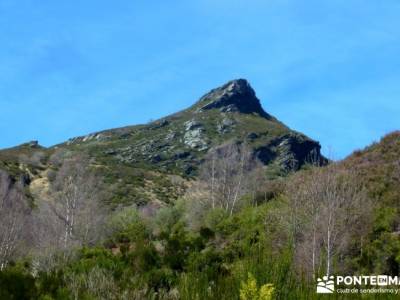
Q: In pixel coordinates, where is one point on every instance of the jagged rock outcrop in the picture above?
(234, 96)
(291, 151)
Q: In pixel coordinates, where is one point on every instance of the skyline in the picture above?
(328, 70)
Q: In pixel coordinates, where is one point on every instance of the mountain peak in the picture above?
(234, 96)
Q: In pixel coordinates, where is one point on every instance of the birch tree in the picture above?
(14, 213)
(74, 215)
(225, 177)
(328, 206)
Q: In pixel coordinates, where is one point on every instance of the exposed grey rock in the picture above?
(86, 138)
(229, 108)
(170, 136)
(194, 139)
(228, 122)
(235, 96)
(291, 151)
(226, 125)
(193, 136)
(146, 148)
(192, 124)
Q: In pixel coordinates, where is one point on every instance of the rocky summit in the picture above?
(135, 157)
(234, 96)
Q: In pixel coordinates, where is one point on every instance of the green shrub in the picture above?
(250, 291)
(17, 284)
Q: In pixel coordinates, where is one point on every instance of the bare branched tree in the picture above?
(14, 215)
(74, 215)
(227, 174)
(325, 203)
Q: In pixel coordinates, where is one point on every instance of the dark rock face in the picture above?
(265, 154)
(292, 151)
(305, 151)
(252, 136)
(182, 155)
(234, 96)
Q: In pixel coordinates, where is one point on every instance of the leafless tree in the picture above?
(257, 184)
(328, 207)
(35, 159)
(226, 175)
(14, 214)
(74, 215)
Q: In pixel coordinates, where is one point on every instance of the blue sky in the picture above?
(330, 69)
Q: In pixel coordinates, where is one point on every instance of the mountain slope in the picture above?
(379, 168)
(177, 143)
(133, 159)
